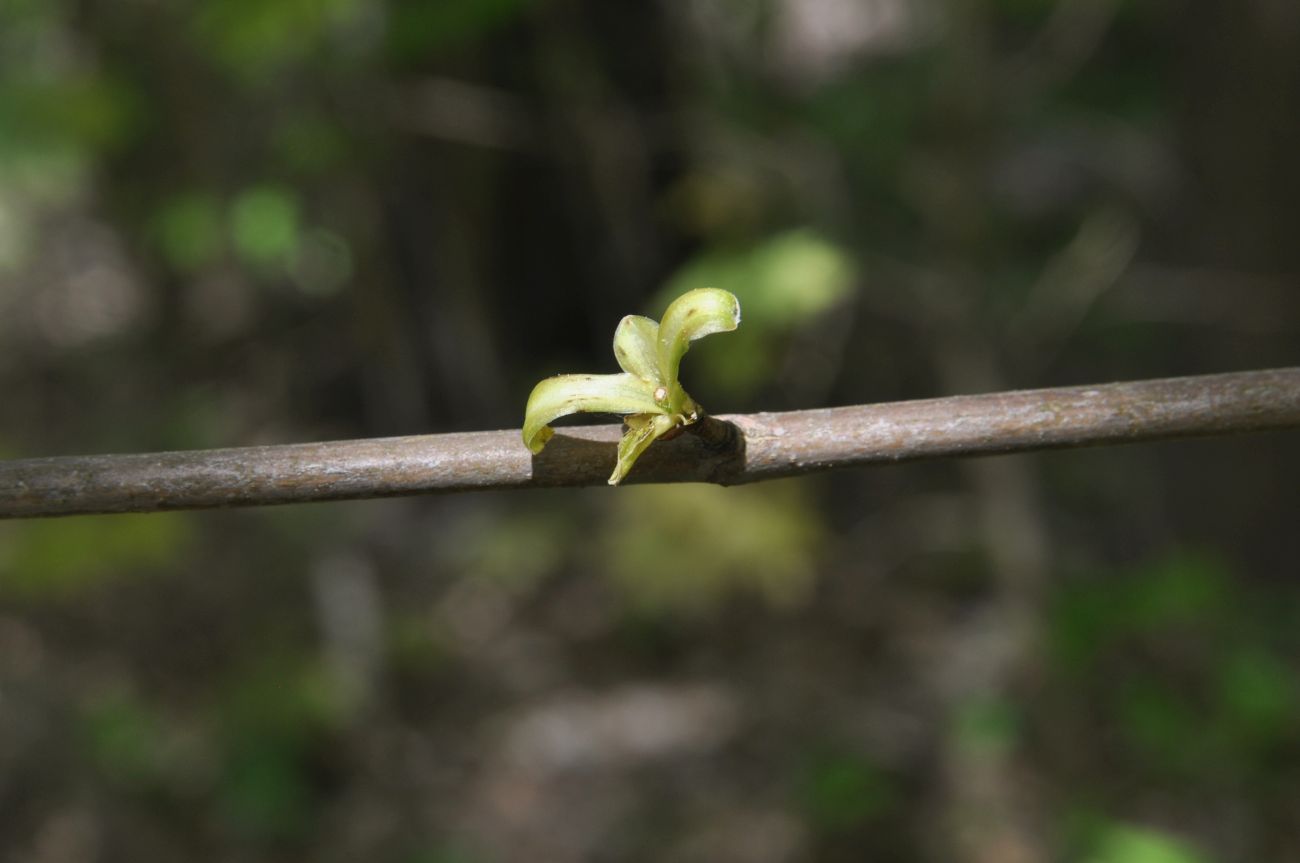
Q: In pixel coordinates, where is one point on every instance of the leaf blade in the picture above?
(563, 395)
(692, 316)
(636, 345)
(642, 430)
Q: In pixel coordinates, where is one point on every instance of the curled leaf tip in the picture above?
(694, 315)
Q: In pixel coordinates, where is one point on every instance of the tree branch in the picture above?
(726, 449)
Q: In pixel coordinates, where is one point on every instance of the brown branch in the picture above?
(727, 449)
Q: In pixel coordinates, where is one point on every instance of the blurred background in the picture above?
(268, 221)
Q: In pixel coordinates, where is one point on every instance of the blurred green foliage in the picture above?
(1122, 843)
(61, 559)
(517, 549)
(122, 737)
(1184, 663)
(253, 37)
(689, 547)
(188, 230)
(271, 718)
(1259, 694)
(82, 113)
(264, 224)
(986, 724)
(843, 790)
(1170, 594)
(785, 283)
(308, 142)
(419, 29)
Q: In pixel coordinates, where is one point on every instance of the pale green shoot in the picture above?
(647, 393)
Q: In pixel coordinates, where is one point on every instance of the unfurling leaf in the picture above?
(570, 394)
(692, 316)
(647, 393)
(642, 430)
(636, 345)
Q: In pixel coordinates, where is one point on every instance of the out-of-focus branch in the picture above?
(726, 449)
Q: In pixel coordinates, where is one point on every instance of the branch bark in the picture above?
(726, 449)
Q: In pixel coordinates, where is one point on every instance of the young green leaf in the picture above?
(569, 394)
(642, 430)
(691, 316)
(636, 342)
(647, 392)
